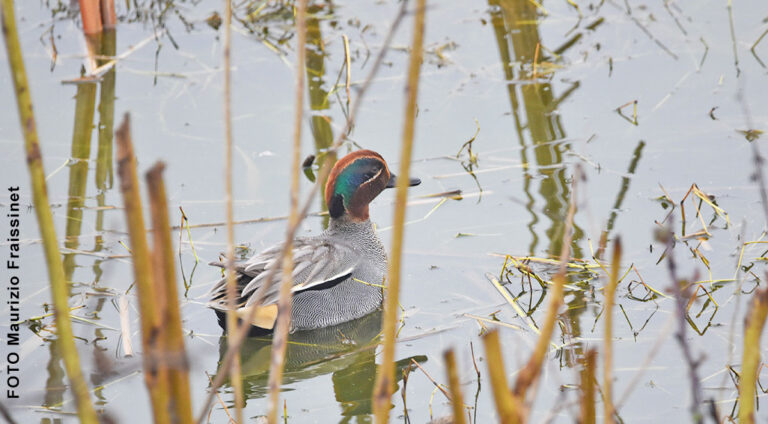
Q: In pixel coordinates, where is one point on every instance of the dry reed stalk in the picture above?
(457, 400)
(125, 325)
(108, 18)
(753, 329)
(155, 374)
(507, 406)
(280, 337)
(90, 11)
(165, 282)
(234, 369)
(532, 369)
(610, 292)
(59, 289)
(588, 388)
(242, 331)
(385, 378)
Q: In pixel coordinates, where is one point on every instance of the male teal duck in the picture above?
(337, 275)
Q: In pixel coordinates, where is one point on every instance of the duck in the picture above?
(338, 275)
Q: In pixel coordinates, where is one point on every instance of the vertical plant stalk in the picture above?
(108, 18)
(385, 378)
(682, 293)
(588, 388)
(753, 329)
(507, 405)
(78, 171)
(90, 12)
(234, 370)
(165, 282)
(610, 293)
(457, 400)
(280, 337)
(59, 289)
(155, 374)
(532, 369)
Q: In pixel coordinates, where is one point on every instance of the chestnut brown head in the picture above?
(355, 181)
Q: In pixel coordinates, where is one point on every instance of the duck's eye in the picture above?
(368, 175)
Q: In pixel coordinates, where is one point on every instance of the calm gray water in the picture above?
(697, 91)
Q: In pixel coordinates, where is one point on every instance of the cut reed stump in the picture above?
(588, 388)
(97, 15)
(155, 372)
(59, 290)
(507, 406)
(457, 400)
(164, 264)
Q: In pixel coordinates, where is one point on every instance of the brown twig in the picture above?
(681, 290)
(434, 382)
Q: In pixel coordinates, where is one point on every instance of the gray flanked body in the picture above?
(352, 298)
(337, 276)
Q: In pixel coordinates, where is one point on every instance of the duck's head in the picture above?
(355, 181)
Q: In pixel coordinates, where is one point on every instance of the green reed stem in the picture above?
(59, 289)
(385, 378)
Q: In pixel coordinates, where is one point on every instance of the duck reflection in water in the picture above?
(346, 351)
